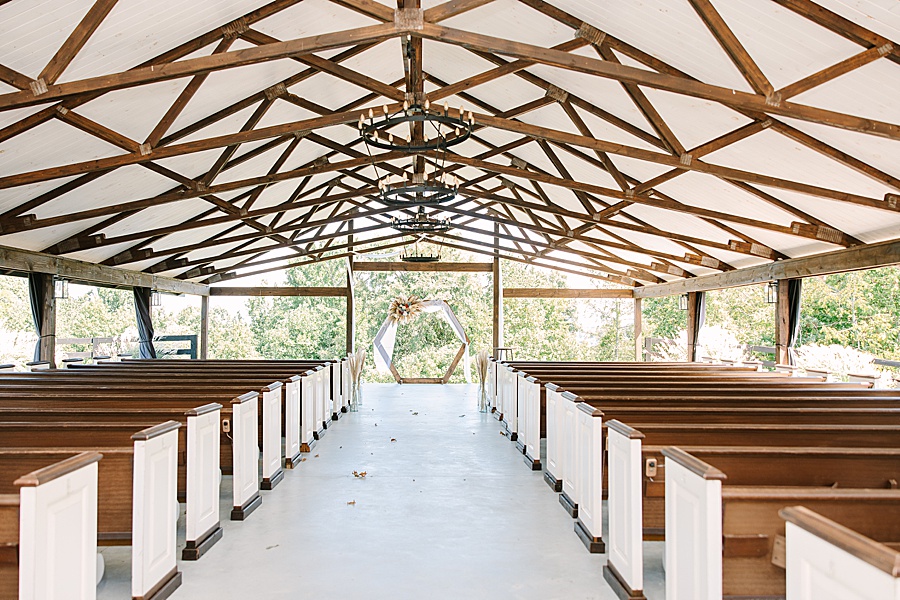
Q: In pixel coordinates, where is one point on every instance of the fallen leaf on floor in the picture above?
(415, 413)
(376, 424)
(303, 460)
(393, 439)
(358, 474)
(316, 456)
(461, 416)
(270, 547)
(352, 503)
(502, 433)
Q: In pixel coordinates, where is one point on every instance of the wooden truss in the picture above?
(509, 207)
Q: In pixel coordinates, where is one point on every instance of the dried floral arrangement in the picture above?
(405, 310)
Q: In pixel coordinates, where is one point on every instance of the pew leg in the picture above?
(239, 513)
(554, 483)
(595, 545)
(306, 448)
(164, 588)
(292, 462)
(568, 504)
(194, 549)
(269, 483)
(534, 463)
(618, 585)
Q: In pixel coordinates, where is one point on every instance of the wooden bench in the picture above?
(854, 554)
(48, 526)
(136, 503)
(723, 532)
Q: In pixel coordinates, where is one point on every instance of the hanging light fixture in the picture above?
(683, 302)
(417, 128)
(414, 254)
(155, 298)
(61, 289)
(441, 128)
(421, 224)
(772, 292)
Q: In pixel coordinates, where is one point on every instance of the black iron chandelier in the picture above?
(440, 130)
(414, 254)
(418, 189)
(421, 224)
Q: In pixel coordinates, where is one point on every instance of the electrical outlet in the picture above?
(226, 426)
(650, 467)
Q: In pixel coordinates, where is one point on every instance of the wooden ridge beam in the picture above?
(882, 254)
(26, 261)
(323, 292)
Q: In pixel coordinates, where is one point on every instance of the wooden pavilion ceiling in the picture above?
(634, 141)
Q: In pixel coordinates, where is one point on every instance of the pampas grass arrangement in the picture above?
(356, 360)
(482, 360)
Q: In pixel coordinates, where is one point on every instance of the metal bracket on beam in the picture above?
(556, 93)
(235, 28)
(818, 232)
(591, 34)
(518, 163)
(893, 200)
(409, 18)
(38, 87)
(275, 91)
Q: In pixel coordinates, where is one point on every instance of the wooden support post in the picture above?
(204, 327)
(692, 331)
(48, 326)
(351, 321)
(782, 323)
(638, 331)
(498, 292)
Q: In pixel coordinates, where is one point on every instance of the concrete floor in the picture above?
(448, 510)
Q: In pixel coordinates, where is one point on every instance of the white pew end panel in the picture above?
(202, 523)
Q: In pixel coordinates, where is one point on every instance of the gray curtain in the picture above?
(795, 288)
(144, 323)
(699, 320)
(36, 296)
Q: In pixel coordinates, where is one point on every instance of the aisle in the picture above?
(448, 510)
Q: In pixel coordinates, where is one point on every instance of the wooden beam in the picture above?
(442, 267)
(76, 41)
(662, 81)
(27, 261)
(203, 64)
(497, 283)
(733, 47)
(323, 292)
(567, 293)
(782, 320)
(882, 254)
(638, 331)
(204, 327)
(48, 321)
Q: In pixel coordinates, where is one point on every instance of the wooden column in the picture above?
(691, 329)
(351, 321)
(638, 331)
(497, 276)
(48, 326)
(204, 327)
(782, 323)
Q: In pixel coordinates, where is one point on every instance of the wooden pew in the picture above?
(636, 503)
(852, 555)
(246, 483)
(722, 527)
(312, 402)
(136, 503)
(48, 527)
